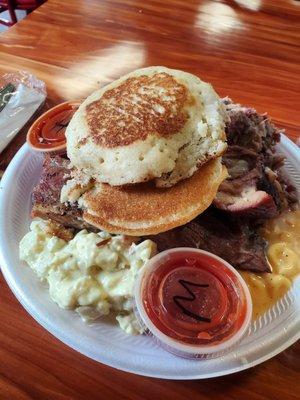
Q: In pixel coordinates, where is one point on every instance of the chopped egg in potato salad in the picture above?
(93, 273)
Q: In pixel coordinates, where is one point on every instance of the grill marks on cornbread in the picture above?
(136, 108)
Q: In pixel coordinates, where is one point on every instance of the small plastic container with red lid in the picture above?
(47, 133)
(193, 302)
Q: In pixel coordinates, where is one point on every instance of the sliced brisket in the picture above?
(46, 195)
(55, 173)
(232, 239)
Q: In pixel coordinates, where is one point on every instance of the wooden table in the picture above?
(248, 49)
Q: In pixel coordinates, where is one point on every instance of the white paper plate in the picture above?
(267, 336)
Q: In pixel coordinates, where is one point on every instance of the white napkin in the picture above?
(21, 106)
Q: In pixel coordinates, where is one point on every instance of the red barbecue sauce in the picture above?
(48, 132)
(194, 298)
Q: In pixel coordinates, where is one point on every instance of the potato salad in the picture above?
(92, 273)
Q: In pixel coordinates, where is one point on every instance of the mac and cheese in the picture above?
(283, 252)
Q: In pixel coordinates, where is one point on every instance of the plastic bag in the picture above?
(21, 95)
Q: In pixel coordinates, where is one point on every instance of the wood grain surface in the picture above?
(249, 50)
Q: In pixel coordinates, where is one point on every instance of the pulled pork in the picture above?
(256, 187)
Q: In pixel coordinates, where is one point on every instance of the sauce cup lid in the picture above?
(47, 133)
(193, 302)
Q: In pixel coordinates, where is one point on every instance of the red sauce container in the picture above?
(193, 302)
(47, 133)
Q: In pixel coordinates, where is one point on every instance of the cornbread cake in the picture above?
(145, 209)
(154, 123)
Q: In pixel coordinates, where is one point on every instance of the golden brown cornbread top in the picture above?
(138, 107)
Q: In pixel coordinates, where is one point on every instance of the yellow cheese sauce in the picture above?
(283, 236)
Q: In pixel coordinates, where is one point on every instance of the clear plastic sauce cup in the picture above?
(193, 302)
(47, 133)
